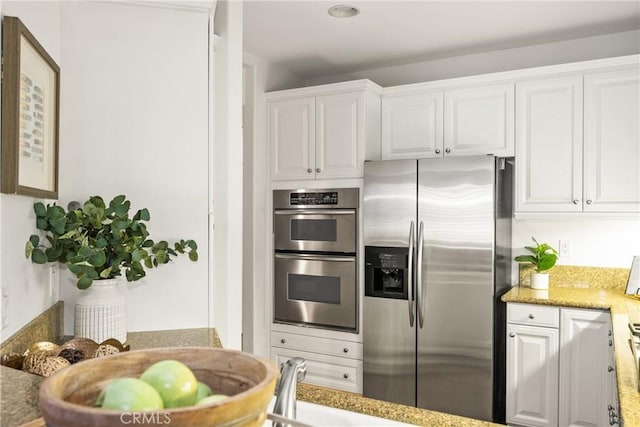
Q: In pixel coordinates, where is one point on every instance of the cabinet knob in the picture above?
(447, 150)
(589, 201)
(318, 170)
(610, 343)
(283, 341)
(345, 376)
(437, 151)
(512, 334)
(346, 350)
(610, 368)
(309, 170)
(531, 316)
(576, 201)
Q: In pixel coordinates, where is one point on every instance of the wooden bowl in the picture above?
(67, 398)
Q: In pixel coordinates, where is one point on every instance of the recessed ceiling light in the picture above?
(343, 11)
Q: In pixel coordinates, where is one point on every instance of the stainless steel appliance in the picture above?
(315, 259)
(437, 235)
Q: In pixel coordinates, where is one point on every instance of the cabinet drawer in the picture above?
(327, 371)
(534, 315)
(348, 349)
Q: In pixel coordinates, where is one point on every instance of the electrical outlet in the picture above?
(565, 248)
(4, 302)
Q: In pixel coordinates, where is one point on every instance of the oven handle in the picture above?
(411, 299)
(311, 257)
(315, 212)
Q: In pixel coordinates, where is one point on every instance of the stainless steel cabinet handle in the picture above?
(283, 341)
(589, 201)
(318, 170)
(419, 285)
(576, 201)
(447, 150)
(610, 368)
(512, 335)
(411, 299)
(346, 350)
(531, 316)
(613, 416)
(309, 170)
(437, 151)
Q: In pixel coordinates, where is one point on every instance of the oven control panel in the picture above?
(309, 199)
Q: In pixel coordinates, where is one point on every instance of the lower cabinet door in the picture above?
(532, 375)
(585, 368)
(327, 371)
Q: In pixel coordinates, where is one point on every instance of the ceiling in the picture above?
(302, 37)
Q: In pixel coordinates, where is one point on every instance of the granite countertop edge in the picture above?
(621, 307)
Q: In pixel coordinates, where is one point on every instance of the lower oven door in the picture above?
(316, 290)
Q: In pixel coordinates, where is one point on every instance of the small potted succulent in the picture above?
(99, 244)
(542, 258)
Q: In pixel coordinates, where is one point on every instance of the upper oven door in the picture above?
(322, 230)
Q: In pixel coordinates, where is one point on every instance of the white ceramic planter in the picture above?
(101, 312)
(539, 280)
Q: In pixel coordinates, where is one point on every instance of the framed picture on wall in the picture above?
(30, 114)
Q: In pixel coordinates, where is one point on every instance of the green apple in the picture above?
(203, 391)
(212, 399)
(175, 382)
(129, 394)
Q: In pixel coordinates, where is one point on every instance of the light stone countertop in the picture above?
(623, 308)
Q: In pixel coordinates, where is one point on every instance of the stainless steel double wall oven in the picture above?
(315, 257)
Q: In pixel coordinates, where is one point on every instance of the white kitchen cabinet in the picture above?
(532, 369)
(324, 132)
(612, 141)
(449, 122)
(292, 132)
(560, 368)
(585, 368)
(562, 168)
(479, 120)
(549, 145)
(330, 362)
(412, 126)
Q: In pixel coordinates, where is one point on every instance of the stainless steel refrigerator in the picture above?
(437, 235)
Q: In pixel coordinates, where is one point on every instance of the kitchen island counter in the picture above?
(623, 308)
(20, 389)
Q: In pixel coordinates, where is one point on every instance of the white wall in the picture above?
(594, 241)
(261, 77)
(134, 121)
(228, 176)
(618, 44)
(26, 284)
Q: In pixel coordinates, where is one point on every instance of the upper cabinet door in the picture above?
(340, 135)
(292, 134)
(549, 145)
(479, 120)
(612, 141)
(412, 126)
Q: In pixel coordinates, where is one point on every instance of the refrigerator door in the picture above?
(455, 298)
(390, 189)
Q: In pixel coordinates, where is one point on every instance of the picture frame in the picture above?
(30, 114)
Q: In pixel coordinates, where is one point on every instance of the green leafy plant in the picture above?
(544, 256)
(97, 241)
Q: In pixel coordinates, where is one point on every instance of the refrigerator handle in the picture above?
(419, 286)
(410, 297)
